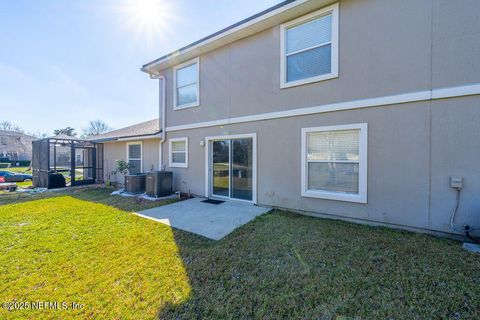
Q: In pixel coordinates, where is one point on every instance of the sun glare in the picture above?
(146, 11)
(149, 18)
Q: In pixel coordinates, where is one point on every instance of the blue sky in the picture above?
(63, 63)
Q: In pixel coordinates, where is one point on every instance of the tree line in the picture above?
(94, 127)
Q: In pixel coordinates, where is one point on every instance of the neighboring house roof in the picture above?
(15, 145)
(63, 137)
(15, 133)
(147, 128)
(268, 18)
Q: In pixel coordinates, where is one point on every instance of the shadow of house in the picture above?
(287, 266)
(246, 276)
(15, 145)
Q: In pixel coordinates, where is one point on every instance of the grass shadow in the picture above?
(287, 266)
(284, 265)
(94, 193)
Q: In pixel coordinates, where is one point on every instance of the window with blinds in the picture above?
(178, 156)
(134, 157)
(187, 85)
(334, 162)
(309, 48)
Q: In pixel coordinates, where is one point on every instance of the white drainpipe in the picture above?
(163, 113)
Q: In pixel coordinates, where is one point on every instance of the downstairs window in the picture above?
(178, 156)
(334, 162)
(134, 157)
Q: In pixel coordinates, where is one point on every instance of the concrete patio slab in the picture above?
(205, 219)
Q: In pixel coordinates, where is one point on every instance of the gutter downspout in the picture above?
(161, 102)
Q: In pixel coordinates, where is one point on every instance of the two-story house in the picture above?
(15, 145)
(362, 110)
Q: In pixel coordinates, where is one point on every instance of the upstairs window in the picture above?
(187, 87)
(310, 48)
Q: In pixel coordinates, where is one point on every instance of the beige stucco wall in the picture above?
(114, 151)
(413, 150)
(385, 48)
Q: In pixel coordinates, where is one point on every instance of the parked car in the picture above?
(15, 177)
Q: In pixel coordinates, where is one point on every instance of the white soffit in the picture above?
(268, 20)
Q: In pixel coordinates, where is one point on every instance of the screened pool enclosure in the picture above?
(62, 161)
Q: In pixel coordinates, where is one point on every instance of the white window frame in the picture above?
(170, 153)
(141, 153)
(361, 197)
(333, 9)
(175, 98)
(208, 168)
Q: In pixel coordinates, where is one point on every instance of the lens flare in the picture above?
(151, 19)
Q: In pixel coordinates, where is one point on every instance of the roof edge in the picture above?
(225, 32)
(119, 138)
(17, 133)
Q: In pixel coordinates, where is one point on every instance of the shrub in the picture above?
(4, 165)
(122, 167)
(20, 163)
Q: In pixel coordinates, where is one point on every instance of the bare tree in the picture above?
(96, 127)
(69, 131)
(8, 126)
(39, 135)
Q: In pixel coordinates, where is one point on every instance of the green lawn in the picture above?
(83, 246)
(24, 184)
(74, 248)
(25, 170)
(19, 170)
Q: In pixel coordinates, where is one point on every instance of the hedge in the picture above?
(21, 163)
(4, 165)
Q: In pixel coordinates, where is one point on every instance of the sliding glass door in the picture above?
(232, 168)
(221, 168)
(242, 168)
